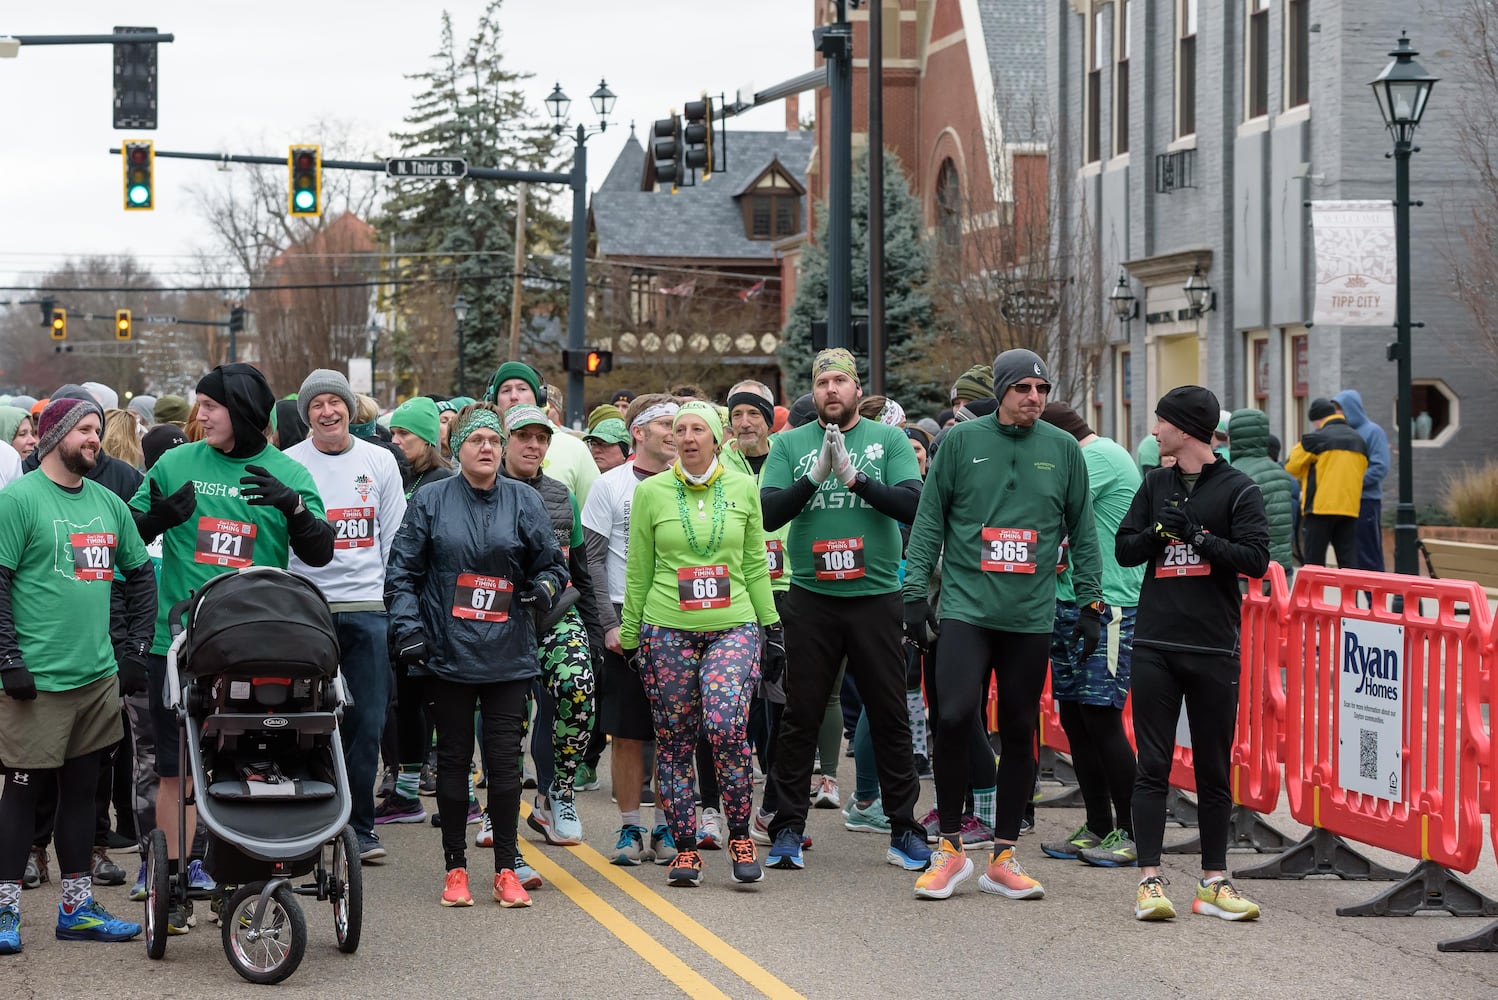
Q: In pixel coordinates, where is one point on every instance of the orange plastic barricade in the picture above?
(1261, 693)
(1487, 753)
(1419, 778)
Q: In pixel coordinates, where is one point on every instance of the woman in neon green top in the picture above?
(697, 589)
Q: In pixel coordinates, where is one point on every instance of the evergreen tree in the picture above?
(459, 235)
(909, 316)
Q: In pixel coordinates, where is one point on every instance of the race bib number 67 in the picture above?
(482, 598)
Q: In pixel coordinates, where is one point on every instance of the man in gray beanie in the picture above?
(325, 380)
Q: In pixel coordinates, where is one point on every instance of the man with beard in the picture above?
(223, 503)
(62, 540)
(844, 485)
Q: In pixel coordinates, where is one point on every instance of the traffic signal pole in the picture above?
(835, 42)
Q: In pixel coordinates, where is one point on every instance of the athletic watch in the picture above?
(860, 480)
(1097, 607)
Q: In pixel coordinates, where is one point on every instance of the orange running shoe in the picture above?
(949, 869)
(508, 891)
(455, 893)
(1006, 878)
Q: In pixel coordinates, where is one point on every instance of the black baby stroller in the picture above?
(253, 679)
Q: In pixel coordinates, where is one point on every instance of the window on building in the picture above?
(1121, 78)
(1297, 53)
(772, 207)
(1257, 345)
(641, 299)
(1093, 112)
(1185, 68)
(1434, 413)
(949, 205)
(1123, 391)
(1297, 365)
(1256, 59)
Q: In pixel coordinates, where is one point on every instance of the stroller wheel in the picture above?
(347, 891)
(158, 895)
(272, 951)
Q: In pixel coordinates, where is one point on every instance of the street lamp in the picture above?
(558, 104)
(1199, 294)
(460, 311)
(1121, 299)
(1402, 90)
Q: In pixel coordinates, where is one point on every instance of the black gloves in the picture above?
(632, 659)
(130, 656)
(166, 512)
(772, 657)
(918, 620)
(410, 651)
(1177, 523)
(19, 683)
(1089, 630)
(538, 598)
(261, 489)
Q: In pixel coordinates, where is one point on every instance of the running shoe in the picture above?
(529, 781)
(475, 812)
(785, 853)
(566, 827)
(909, 851)
(1116, 851)
(976, 835)
(745, 860)
(105, 871)
(931, 823)
(455, 888)
(138, 890)
(1070, 849)
(1150, 903)
(399, 809)
(586, 779)
(759, 827)
(91, 922)
(36, 869)
(1219, 898)
(526, 874)
(485, 836)
(199, 885)
(949, 868)
(923, 767)
(370, 849)
(540, 818)
(662, 845)
(387, 783)
(179, 918)
(1026, 826)
(826, 794)
(647, 796)
(10, 931)
(710, 834)
(1005, 877)
(427, 783)
(686, 869)
(630, 849)
(508, 891)
(866, 819)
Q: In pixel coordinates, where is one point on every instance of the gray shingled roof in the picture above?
(1014, 34)
(703, 221)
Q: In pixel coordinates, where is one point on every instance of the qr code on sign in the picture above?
(1368, 754)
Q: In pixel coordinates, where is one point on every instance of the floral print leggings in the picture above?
(567, 675)
(701, 682)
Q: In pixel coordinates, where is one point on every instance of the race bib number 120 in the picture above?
(93, 555)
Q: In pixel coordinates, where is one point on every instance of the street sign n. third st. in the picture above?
(426, 166)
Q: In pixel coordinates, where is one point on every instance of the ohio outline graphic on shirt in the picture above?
(832, 494)
(62, 543)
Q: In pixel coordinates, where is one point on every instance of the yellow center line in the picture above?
(687, 979)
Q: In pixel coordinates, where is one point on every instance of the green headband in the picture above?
(707, 412)
(476, 419)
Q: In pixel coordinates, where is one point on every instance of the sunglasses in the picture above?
(1025, 388)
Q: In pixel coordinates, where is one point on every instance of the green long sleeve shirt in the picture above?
(667, 583)
(997, 502)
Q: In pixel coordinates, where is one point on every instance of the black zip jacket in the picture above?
(1182, 606)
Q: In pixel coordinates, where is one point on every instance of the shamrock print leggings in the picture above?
(701, 683)
(566, 675)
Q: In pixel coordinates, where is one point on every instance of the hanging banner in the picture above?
(1355, 265)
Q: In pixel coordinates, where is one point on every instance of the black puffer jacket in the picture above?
(450, 530)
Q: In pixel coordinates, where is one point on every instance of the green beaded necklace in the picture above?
(720, 518)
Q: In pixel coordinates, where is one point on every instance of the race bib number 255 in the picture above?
(1181, 559)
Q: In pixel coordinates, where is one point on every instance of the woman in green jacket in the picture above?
(697, 590)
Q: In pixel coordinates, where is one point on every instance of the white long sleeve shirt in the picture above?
(362, 492)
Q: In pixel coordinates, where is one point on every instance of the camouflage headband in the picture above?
(834, 359)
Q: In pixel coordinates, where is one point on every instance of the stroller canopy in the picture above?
(260, 621)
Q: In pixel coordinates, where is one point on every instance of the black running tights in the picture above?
(74, 835)
(1104, 763)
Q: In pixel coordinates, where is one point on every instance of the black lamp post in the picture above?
(1402, 90)
(558, 104)
(460, 312)
(1121, 300)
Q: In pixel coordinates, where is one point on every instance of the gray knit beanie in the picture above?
(325, 380)
(1013, 365)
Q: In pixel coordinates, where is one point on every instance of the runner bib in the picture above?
(703, 588)
(222, 542)
(93, 555)
(353, 527)
(776, 556)
(1181, 559)
(1008, 550)
(482, 598)
(838, 558)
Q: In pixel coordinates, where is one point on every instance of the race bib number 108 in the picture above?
(838, 558)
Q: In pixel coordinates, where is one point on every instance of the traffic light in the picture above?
(665, 150)
(698, 134)
(139, 159)
(304, 163)
(134, 81)
(236, 320)
(587, 361)
(59, 323)
(123, 326)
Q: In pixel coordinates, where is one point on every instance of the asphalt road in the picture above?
(847, 926)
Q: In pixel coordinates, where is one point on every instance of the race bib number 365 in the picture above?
(1008, 550)
(93, 555)
(1181, 559)
(353, 527)
(222, 542)
(838, 558)
(482, 598)
(701, 588)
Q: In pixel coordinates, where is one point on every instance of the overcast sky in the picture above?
(243, 75)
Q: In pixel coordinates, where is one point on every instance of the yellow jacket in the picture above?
(1330, 462)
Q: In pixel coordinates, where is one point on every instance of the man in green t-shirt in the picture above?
(63, 542)
(223, 503)
(844, 485)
